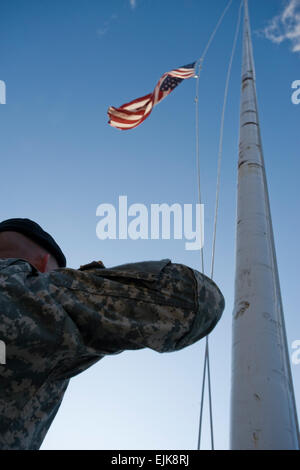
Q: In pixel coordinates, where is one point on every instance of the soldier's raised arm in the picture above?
(78, 316)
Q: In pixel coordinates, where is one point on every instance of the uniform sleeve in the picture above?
(79, 316)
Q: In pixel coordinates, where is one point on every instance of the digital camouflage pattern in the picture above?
(57, 324)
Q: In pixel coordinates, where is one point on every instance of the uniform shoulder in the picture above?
(92, 265)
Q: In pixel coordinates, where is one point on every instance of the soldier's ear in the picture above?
(43, 263)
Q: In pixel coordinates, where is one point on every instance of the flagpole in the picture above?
(263, 409)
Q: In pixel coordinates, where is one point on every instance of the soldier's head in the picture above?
(25, 239)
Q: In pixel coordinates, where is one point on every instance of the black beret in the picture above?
(33, 231)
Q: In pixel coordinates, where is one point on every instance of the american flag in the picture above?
(130, 115)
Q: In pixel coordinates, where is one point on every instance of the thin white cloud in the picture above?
(286, 26)
(106, 25)
(133, 4)
(103, 30)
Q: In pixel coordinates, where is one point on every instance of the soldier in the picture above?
(56, 321)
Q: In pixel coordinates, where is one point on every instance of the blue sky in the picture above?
(64, 63)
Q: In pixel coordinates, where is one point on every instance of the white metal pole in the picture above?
(263, 410)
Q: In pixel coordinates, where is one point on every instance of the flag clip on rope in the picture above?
(130, 115)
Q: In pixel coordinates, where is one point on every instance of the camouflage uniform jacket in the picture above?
(57, 324)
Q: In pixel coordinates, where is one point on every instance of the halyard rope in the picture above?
(206, 358)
